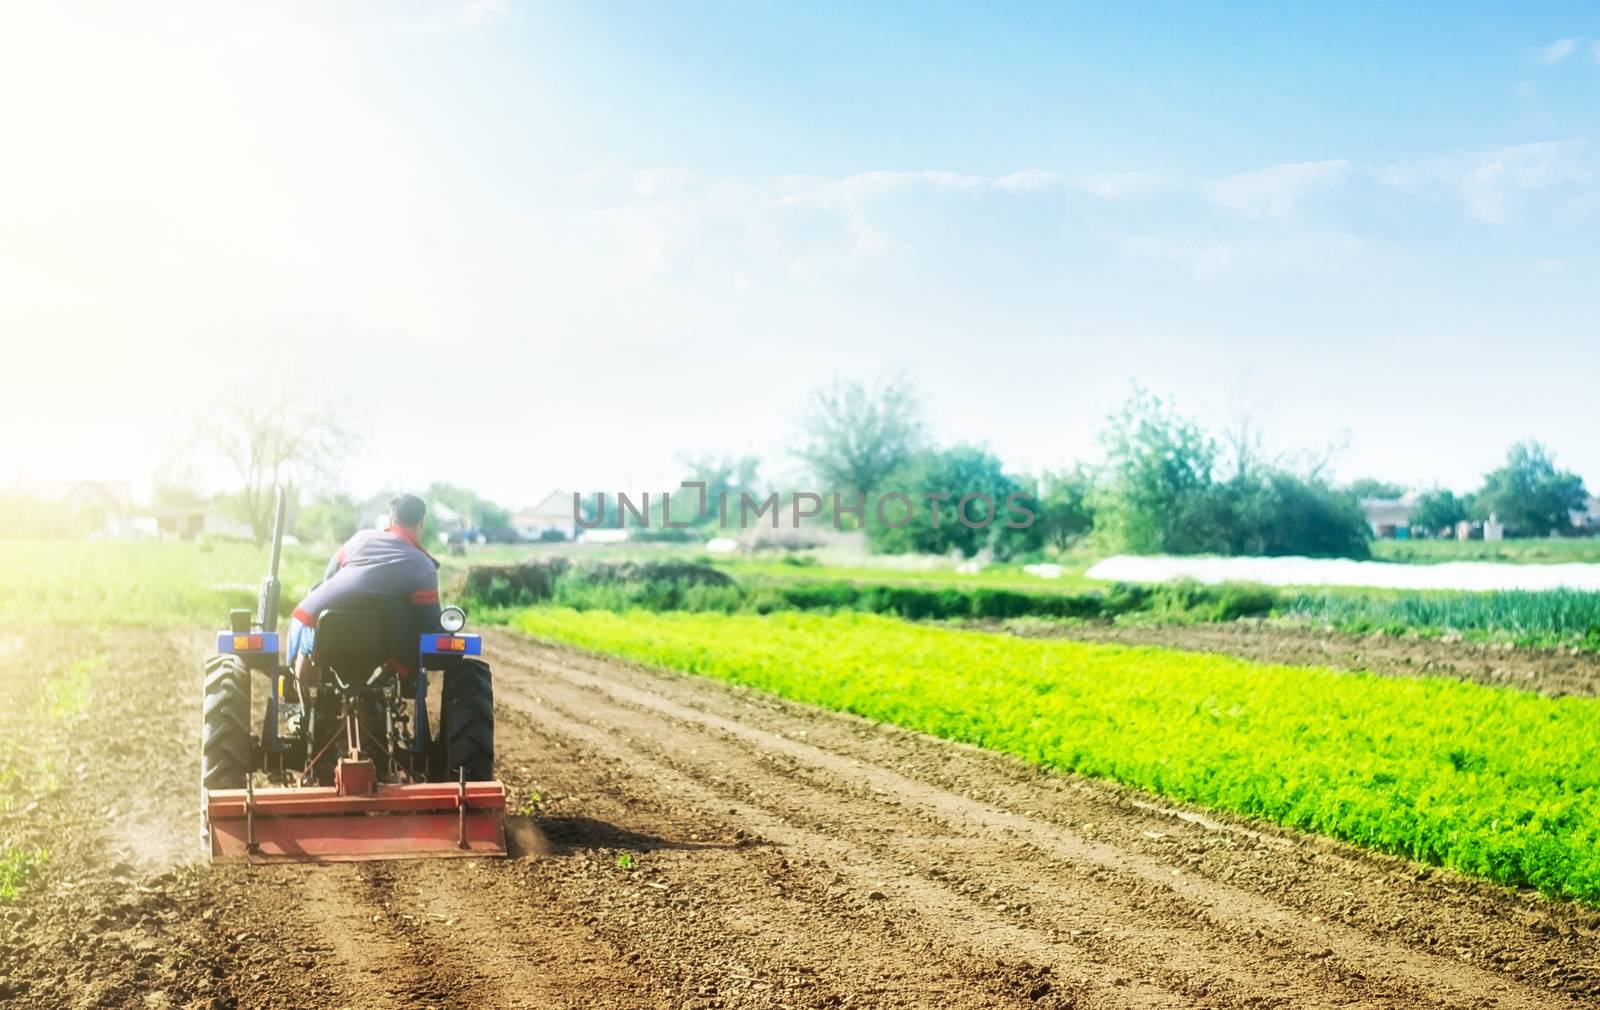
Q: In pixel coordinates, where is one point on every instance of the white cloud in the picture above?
(1494, 183)
(810, 231)
(1199, 257)
(660, 181)
(1255, 254)
(1498, 186)
(455, 15)
(1030, 180)
(1557, 51)
(1274, 192)
(864, 187)
(1106, 187)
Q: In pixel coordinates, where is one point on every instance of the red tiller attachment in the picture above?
(356, 819)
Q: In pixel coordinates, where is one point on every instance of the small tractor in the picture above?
(353, 770)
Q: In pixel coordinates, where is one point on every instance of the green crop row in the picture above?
(1541, 619)
(1551, 617)
(681, 586)
(1492, 782)
(1529, 550)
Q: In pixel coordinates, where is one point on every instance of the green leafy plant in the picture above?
(17, 867)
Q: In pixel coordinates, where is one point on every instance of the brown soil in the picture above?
(1550, 671)
(708, 847)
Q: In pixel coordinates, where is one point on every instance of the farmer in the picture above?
(385, 570)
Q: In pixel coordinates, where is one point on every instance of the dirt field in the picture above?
(779, 858)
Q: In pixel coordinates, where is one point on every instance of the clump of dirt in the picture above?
(524, 839)
(681, 572)
(530, 582)
(520, 584)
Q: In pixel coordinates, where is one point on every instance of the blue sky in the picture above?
(558, 244)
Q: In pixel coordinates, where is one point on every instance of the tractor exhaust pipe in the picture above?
(271, 588)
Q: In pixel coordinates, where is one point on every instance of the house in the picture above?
(178, 522)
(80, 497)
(77, 507)
(444, 520)
(219, 522)
(1390, 518)
(551, 519)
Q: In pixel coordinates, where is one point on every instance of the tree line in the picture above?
(1166, 484)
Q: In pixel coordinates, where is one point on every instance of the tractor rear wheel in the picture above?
(468, 720)
(225, 726)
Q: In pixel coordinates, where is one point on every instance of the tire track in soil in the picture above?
(128, 914)
(921, 915)
(695, 734)
(122, 914)
(367, 944)
(1133, 947)
(472, 938)
(962, 911)
(1139, 944)
(725, 919)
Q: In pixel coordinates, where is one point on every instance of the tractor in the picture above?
(352, 768)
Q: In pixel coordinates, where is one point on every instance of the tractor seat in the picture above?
(351, 643)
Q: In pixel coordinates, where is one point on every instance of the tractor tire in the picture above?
(468, 721)
(225, 726)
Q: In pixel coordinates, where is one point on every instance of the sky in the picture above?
(560, 245)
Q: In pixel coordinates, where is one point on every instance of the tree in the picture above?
(1438, 509)
(332, 519)
(1158, 496)
(478, 512)
(725, 477)
(1371, 487)
(856, 434)
(287, 440)
(1529, 494)
(954, 473)
(1065, 512)
(1273, 512)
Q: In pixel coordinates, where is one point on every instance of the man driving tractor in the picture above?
(356, 768)
(384, 570)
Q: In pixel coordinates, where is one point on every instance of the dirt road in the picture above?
(710, 847)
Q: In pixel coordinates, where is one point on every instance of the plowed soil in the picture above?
(695, 845)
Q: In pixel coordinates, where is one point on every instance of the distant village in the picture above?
(107, 510)
(1393, 519)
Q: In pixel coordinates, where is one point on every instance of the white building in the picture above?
(1493, 528)
(551, 518)
(1390, 518)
